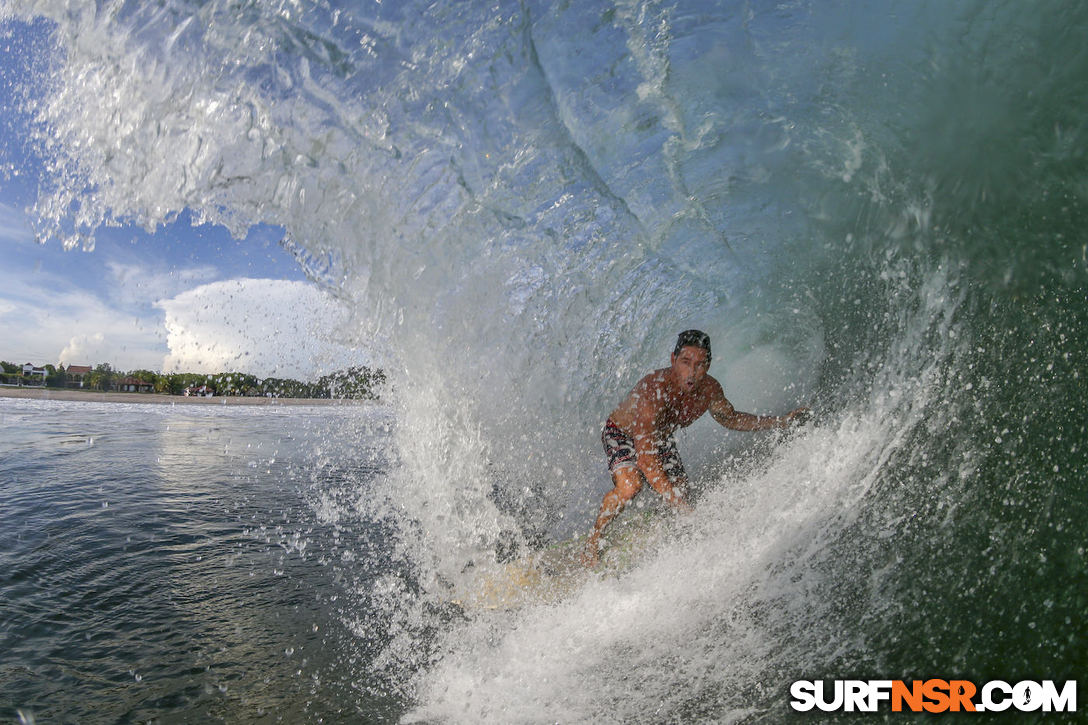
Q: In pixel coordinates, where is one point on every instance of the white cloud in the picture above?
(152, 317)
(44, 319)
(87, 347)
(13, 226)
(271, 328)
(137, 285)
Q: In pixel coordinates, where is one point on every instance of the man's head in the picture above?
(693, 338)
(691, 359)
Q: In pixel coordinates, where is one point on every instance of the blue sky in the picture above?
(179, 298)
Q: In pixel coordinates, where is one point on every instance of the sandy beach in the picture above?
(95, 396)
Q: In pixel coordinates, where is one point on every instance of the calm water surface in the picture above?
(166, 564)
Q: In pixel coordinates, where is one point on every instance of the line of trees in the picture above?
(361, 383)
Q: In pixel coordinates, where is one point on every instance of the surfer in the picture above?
(638, 437)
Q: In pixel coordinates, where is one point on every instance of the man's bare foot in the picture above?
(590, 557)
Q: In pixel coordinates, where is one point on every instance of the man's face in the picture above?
(689, 367)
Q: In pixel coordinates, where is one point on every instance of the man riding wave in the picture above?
(638, 436)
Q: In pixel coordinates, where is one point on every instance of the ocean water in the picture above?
(875, 210)
(165, 563)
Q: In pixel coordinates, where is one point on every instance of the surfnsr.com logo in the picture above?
(933, 695)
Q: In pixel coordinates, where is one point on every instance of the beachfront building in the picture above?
(31, 371)
(199, 391)
(129, 384)
(76, 375)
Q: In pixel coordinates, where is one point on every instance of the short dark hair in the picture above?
(693, 338)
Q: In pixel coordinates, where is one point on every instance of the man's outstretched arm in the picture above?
(724, 412)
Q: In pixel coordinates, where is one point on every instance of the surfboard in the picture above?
(554, 572)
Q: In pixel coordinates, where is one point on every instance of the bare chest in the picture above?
(682, 411)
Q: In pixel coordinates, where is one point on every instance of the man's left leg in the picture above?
(627, 482)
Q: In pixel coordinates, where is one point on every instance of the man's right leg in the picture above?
(627, 482)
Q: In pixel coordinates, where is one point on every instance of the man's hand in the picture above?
(799, 416)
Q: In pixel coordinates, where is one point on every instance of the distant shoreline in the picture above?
(97, 396)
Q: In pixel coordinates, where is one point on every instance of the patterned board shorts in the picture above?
(620, 449)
